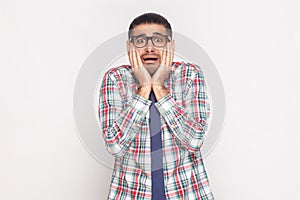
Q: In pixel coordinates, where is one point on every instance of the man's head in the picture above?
(150, 34)
(150, 18)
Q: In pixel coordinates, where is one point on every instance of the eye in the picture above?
(140, 40)
(158, 39)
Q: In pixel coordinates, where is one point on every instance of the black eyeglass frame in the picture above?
(150, 38)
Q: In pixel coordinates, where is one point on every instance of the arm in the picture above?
(119, 124)
(188, 123)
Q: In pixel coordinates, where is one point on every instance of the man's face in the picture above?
(150, 55)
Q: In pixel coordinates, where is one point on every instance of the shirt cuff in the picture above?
(140, 102)
(165, 104)
(130, 121)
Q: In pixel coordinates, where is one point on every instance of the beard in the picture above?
(151, 68)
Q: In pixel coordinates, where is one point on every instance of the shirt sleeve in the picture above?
(188, 123)
(119, 124)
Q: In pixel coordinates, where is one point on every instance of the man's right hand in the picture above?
(139, 71)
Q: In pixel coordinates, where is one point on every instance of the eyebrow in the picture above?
(156, 33)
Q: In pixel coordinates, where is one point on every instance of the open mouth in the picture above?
(150, 59)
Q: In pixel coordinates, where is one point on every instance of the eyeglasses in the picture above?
(157, 40)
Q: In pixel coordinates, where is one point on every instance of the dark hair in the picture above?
(150, 18)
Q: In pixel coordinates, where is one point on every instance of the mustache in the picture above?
(150, 54)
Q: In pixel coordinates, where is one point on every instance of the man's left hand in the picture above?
(163, 72)
(165, 67)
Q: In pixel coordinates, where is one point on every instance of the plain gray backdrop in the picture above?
(255, 46)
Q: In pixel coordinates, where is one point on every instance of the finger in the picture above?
(138, 58)
(168, 55)
(163, 62)
(130, 55)
(134, 58)
(171, 54)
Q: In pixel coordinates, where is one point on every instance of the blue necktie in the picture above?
(158, 189)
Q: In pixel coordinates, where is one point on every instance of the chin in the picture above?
(152, 69)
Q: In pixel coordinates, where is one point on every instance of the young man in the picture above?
(156, 143)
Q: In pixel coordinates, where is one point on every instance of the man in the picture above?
(155, 159)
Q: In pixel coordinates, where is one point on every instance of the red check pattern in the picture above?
(124, 117)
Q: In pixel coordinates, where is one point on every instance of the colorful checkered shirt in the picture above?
(124, 117)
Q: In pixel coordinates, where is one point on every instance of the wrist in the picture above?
(157, 86)
(160, 91)
(144, 91)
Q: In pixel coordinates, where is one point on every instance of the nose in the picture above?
(149, 47)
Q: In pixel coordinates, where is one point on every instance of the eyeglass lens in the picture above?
(158, 41)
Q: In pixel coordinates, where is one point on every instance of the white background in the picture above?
(254, 44)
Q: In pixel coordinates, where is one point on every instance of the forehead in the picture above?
(149, 29)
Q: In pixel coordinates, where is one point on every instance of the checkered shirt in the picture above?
(124, 117)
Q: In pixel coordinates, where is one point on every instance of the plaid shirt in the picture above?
(184, 113)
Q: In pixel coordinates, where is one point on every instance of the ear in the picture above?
(127, 45)
(173, 45)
